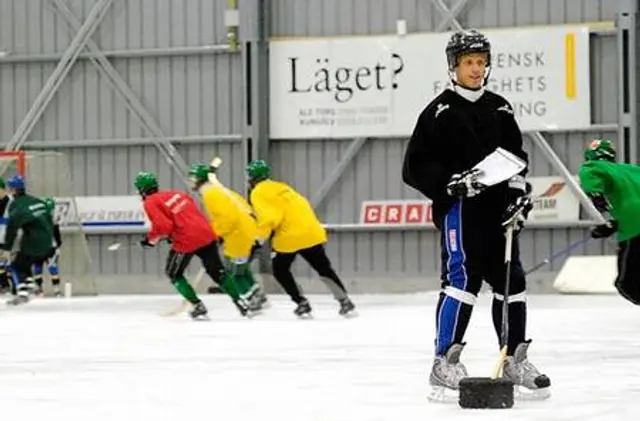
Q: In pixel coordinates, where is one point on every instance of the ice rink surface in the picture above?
(115, 358)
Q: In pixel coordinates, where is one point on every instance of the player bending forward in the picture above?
(288, 219)
(29, 214)
(174, 215)
(231, 218)
(614, 189)
(52, 262)
(459, 128)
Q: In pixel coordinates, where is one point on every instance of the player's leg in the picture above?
(5, 282)
(462, 245)
(317, 258)
(210, 258)
(517, 367)
(54, 272)
(21, 274)
(628, 280)
(281, 266)
(237, 252)
(37, 275)
(175, 267)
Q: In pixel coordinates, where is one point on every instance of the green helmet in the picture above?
(3, 185)
(49, 203)
(600, 149)
(199, 172)
(258, 170)
(146, 182)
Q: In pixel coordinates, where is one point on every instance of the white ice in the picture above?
(115, 358)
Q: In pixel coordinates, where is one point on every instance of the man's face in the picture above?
(3, 192)
(470, 70)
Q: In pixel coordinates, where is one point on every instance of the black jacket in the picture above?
(452, 135)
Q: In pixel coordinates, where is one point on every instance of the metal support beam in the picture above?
(57, 77)
(197, 50)
(539, 140)
(254, 30)
(132, 102)
(626, 21)
(129, 141)
(323, 191)
(450, 15)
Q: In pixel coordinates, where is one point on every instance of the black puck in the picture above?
(485, 393)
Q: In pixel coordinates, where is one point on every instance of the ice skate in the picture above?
(199, 312)
(303, 310)
(22, 297)
(347, 308)
(56, 291)
(244, 307)
(446, 373)
(529, 383)
(254, 299)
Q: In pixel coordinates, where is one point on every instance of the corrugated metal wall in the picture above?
(199, 97)
(375, 173)
(196, 98)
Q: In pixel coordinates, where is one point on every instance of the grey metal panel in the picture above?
(364, 17)
(31, 26)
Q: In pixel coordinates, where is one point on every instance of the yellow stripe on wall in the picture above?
(570, 65)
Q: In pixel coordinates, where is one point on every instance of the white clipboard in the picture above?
(500, 165)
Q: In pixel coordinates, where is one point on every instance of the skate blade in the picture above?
(305, 316)
(521, 393)
(351, 314)
(443, 395)
(201, 319)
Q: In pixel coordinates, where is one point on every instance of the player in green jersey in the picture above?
(614, 189)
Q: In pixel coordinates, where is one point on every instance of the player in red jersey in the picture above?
(175, 215)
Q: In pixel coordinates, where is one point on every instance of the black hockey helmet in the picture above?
(465, 42)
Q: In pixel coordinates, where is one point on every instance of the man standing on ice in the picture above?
(457, 130)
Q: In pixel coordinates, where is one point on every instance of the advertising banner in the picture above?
(378, 85)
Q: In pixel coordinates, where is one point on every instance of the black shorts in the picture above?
(177, 262)
(628, 280)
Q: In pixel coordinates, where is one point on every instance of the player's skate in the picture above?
(303, 310)
(199, 312)
(529, 383)
(21, 297)
(446, 373)
(56, 291)
(347, 308)
(244, 307)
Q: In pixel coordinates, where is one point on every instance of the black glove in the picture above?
(602, 205)
(145, 243)
(518, 212)
(605, 230)
(465, 184)
(521, 203)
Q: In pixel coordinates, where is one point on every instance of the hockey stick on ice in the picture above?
(184, 304)
(559, 254)
(504, 331)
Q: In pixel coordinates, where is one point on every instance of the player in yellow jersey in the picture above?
(287, 218)
(232, 220)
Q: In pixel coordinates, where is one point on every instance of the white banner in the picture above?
(100, 212)
(378, 85)
(553, 201)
